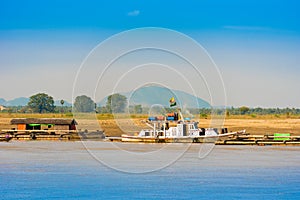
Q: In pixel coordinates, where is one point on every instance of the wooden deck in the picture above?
(70, 135)
(261, 140)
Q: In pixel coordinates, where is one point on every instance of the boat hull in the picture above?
(184, 139)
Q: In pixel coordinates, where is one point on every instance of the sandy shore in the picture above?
(253, 126)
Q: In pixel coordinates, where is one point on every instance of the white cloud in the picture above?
(133, 13)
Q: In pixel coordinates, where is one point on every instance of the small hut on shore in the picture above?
(44, 124)
(2, 108)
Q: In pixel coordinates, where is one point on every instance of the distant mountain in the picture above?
(21, 101)
(2, 101)
(151, 95)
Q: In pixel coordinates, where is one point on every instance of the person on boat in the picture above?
(165, 126)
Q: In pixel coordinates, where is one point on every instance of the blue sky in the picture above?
(256, 44)
(182, 15)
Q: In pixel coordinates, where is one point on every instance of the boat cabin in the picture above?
(44, 124)
(163, 129)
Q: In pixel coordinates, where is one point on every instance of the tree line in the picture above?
(44, 103)
(244, 110)
(117, 103)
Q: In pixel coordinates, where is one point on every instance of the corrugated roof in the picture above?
(43, 121)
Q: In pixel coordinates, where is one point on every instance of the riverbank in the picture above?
(259, 125)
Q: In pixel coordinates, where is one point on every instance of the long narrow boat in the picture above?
(180, 139)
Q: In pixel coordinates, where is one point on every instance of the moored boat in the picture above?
(181, 131)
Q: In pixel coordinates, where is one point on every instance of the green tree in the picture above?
(84, 103)
(116, 103)
(244, 110)
(96, 110)
(41, 103)
(62, 104)
(138, 109)
(227, 113)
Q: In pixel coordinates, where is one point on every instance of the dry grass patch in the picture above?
(266, 124)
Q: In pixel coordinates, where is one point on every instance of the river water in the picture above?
(101, 170)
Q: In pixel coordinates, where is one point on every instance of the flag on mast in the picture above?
(172, 102)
